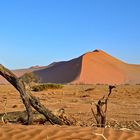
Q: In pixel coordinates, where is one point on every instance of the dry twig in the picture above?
(100, 115)
(137, 123)
(5, 112)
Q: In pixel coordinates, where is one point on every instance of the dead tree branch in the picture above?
(27, 98)
(20, 86)
(101, 109)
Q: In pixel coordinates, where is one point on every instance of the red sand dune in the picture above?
(91, 68)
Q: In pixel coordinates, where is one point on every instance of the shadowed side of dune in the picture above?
(61, 72)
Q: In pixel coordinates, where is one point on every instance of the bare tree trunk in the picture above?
(20, 86)
(28, 99)
(46, 112)
(100, 115)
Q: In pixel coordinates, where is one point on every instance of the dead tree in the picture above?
(101, 109)
(28, 99)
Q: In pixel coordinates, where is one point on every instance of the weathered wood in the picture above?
(28, 99)
(43, 110)
(100, 115)
(20, 86)
(38, 118)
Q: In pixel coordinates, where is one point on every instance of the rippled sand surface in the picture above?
(36, 132)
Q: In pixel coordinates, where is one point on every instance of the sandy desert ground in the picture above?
(123, 115)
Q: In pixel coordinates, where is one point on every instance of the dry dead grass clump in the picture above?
(29, 78)
(42, 87)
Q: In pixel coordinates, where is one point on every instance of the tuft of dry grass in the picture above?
(42, 87)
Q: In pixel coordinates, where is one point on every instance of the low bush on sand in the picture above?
(42, 87)
(29, 78)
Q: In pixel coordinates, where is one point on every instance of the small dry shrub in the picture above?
(42, 87)
(29, 77)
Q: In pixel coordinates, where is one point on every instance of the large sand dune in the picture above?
(95, 67)
(91, 68)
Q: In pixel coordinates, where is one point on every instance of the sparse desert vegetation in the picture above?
(42, 87)
(123, 105)
(76, 102)
(29, 77)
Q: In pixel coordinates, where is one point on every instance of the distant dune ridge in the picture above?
(95, 67)
(21, 72)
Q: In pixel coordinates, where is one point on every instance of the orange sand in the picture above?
(124, 105)
(19, 132)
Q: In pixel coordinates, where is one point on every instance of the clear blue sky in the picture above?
(38, 32)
